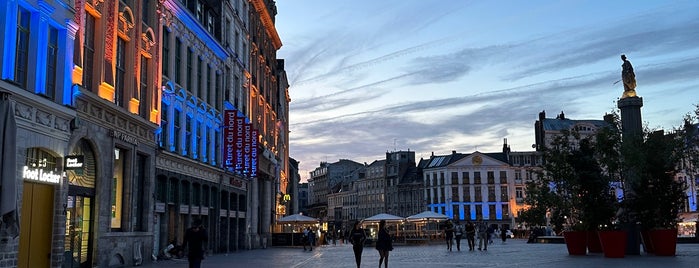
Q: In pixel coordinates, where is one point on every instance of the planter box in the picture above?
(576, 242)
(613, 243)
(664, 241)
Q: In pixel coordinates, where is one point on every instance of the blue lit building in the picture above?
(36, 51)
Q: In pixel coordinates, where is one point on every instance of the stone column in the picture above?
(632, 131)
(254, 212)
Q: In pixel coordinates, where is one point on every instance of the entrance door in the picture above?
(36, 226)
(79, 231)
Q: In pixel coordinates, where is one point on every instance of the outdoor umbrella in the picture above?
(383, 217)
(295, 219)
(9, 225)
(427, 216)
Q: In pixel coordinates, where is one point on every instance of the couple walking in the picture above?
(384, 243)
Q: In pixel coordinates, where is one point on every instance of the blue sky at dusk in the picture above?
(367, 77)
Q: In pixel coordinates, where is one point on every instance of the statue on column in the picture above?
(628, 78)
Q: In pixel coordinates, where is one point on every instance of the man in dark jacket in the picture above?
(194, 240)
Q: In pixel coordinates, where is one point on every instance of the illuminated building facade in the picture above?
(36, 62)
(203, 70)
(371, 191)
(268, 101)
(474, 186)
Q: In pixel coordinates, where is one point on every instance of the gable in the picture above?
(478, 159)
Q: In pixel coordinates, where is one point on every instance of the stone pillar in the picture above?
(254, 213)
(266, 209)
(632, 131)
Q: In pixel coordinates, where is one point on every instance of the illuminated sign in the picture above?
(229, 137)
(40, 175)
(73, 162)
(287, 197)
(239, 146)
(253, 154)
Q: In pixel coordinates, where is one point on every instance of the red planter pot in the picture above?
(647, 243)
(576, 242)
(664, 241)
(593, 244)
(613, 243)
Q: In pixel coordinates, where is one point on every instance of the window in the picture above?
(176, 131)
(467, 193)
(478, 194)
(505, 211)
(190, 86)
(144, 105)
(200, 82)
(200, 143)
(145, 11)
(464, 178)
(209, 97)
(479, 211)
(455, 178)
(503, 176)
(89, 51)
(139, 193)
(467, 212)
(188, 137)
(217, 92)
(196, 194)
(491, 193)
(519, 192)
(178, 61)
(166, 52)
(518, 175)
(217, 142)
(454, 194)
(236, 89)
(504, 196)
(491, 177)
(120, 72)
(22, 53)
(492, 212)
(51, 63)
(476, 177)
(117, 191)
(209, 137)
(163, 127)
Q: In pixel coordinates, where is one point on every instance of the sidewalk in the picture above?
(514, 253)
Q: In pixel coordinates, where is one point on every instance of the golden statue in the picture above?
(628, 78)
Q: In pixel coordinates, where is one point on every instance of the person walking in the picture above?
(449, 234)
(482, 230)
(503, 233)
(304, 239)
(384, 244)
(458, 234)
(357, 238)
(311, 238)
(471, 235)
(194, 241)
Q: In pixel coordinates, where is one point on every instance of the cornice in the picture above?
(267, 22)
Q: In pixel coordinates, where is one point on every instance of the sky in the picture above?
(369, 77)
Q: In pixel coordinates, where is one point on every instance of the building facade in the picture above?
(473, 186)
(371, 191)
(36, 65)
(404, 185)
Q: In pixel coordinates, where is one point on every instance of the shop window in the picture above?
(117, 188)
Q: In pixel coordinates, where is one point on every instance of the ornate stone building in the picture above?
(36, 65)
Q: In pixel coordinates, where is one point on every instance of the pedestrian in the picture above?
(194, 240)
(357, 238)
(449, 234)
(471, 235)
(304, 238)
(311, 238)
(503, 233)
(458, 234)
(384, 244)
(482, 230)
